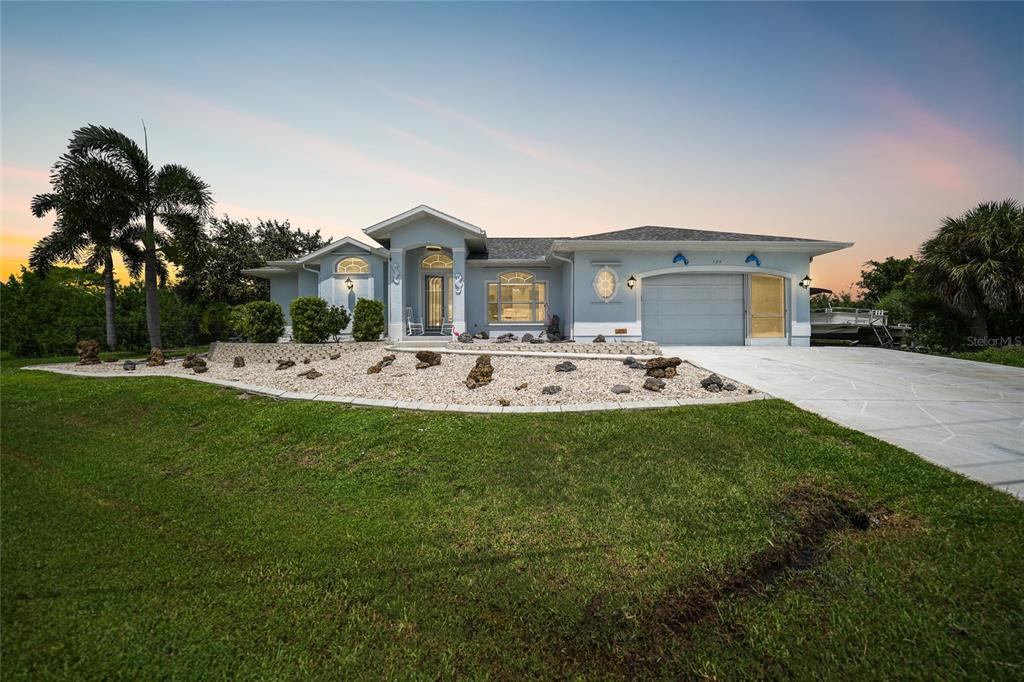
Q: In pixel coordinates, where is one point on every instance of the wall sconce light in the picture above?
(806, 282)
(631, 282)
(349, 283)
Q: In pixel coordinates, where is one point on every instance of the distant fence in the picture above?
(135, 336)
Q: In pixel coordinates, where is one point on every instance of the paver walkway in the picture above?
(964, 415)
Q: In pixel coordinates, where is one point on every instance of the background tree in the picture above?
(174, 195)
(214, 275)
(92, 223)
(975, 263)
(882, 277)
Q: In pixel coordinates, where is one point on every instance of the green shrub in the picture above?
(313, 321)
(259, 321)
(369, 320)
(215, 321)
(337, 319)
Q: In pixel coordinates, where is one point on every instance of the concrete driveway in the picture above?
(964, 415)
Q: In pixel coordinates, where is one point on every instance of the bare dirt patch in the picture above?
(812, 514)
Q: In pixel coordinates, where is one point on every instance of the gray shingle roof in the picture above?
(654, 233)
(514, 248)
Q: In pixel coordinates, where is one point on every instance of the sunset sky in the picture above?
(860, 122)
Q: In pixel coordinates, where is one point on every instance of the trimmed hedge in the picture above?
(369, 320)
(259, 321)
(313, 321)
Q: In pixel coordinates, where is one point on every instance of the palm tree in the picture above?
(92, 223)
(173, 194)
(975, 262)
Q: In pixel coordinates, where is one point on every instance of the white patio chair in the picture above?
(446, 327)
(413, 327)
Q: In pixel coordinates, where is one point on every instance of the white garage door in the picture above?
(695, 310)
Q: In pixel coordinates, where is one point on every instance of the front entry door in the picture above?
(436, 286)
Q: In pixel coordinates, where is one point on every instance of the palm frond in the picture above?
(178, 189)
(117, 148)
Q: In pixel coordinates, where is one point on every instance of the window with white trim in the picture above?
(436, 261)
(517, 297)
(605, 283)
(352, 266)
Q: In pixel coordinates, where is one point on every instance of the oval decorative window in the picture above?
(605, 283)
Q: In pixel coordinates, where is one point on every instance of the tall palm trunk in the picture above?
(108, 300)
(979, 325)
(152, 295)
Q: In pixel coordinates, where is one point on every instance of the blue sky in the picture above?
(859, 122)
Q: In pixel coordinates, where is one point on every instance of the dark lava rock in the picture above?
(565, 367)
(507, 336)
(504, 402)
(481, 374)
(465, 337)
(621, 388)
(656, 372)
(712, 380)
(427, 358)
(654, 384)
(598, 339)
(239, 361)
(713, 388)
(729, 387)
(156, 358)
(199, 369)
(311, 374)
(285, 364)
(89, 352)
(482, 335)
(192, 361)
(536, 339)
(553, 337)
(384, 362)
(551, 390)
(663, 363)
(630, 361)
(129, 365)
(527, 338)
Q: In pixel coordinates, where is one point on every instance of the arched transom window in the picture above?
(352, 266)
(517, 297)
(436, 261)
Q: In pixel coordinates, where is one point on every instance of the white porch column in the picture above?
(396, 299)
(459, 283)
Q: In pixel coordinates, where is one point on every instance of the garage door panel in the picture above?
(704, 309)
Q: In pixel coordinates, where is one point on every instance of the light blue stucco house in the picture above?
(665, 284)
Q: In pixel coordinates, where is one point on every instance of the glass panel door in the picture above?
(767, 307)
(435, 295)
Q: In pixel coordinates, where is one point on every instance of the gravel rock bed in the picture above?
(610, 348)
(591, 382)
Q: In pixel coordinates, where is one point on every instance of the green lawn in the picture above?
(164, 528)
(1005, 355)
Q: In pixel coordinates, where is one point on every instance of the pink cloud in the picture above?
(10, 173)
(918, 146)
(517, 144)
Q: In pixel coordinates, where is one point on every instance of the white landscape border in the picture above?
(415, 405)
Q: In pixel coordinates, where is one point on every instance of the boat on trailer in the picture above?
(862, 325)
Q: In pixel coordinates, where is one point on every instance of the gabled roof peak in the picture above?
(385, 226)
